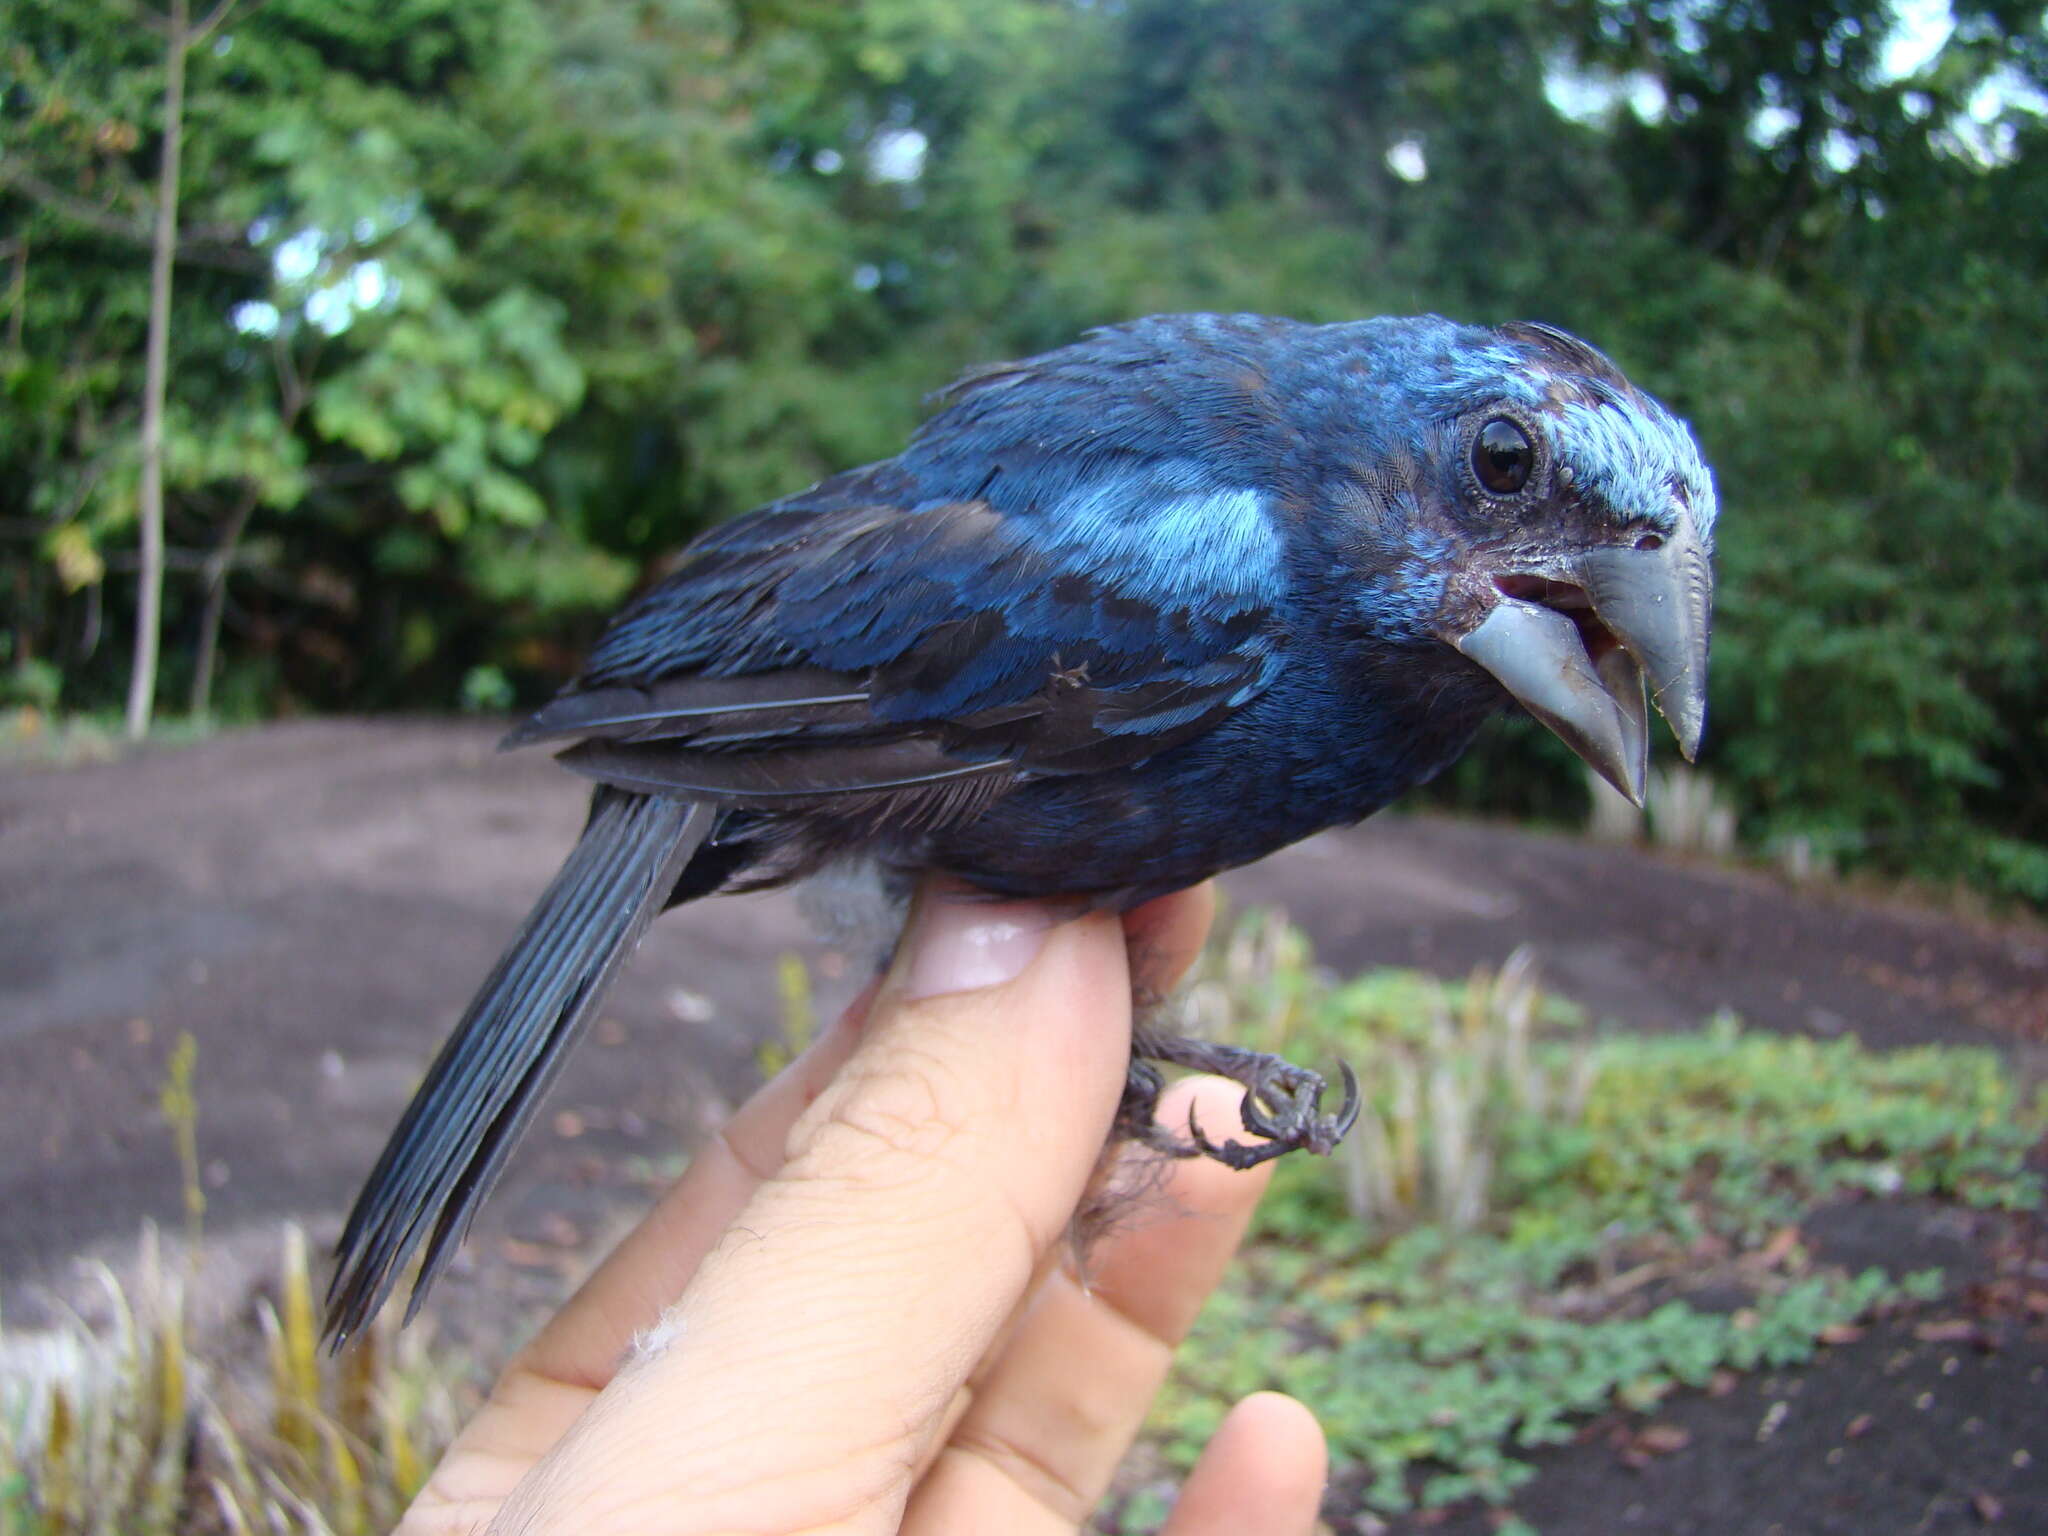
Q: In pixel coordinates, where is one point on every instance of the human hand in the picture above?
(851, 1313)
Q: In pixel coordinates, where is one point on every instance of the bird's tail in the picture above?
(490, 1076)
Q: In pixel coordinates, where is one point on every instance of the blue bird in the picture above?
(1120, 616)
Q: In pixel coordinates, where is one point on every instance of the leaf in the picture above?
(70, 548)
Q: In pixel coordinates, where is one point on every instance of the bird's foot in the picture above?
(1282, 1102)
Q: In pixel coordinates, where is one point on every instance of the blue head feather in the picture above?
(1638, 458)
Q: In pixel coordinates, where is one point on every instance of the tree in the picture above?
(111, 79)
(389, 364)
(180, 38)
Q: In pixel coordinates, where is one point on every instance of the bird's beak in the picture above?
(1575, 637)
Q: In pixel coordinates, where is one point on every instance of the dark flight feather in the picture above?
(775, 781)
(489, 1077)
(686, 707)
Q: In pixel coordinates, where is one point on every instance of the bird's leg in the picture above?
(1282, 1102)
(1143, 1084)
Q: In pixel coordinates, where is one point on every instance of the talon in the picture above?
(1233, 1154)
(1256, 1120)
(1347, 1113)
(1282, 1103)
(1200, 1138)
(1346, 1117)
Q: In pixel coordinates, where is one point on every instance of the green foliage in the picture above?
(484, 309)
(1434, 1355)
(1430, 1376)
(486, 691)
(31, 682)
(1731, 1132)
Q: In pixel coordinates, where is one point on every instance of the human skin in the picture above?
(857, 1311)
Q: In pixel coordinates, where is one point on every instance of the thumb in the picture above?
(806, 1371)
(994, 1049)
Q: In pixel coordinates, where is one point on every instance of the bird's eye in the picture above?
(1503, 456)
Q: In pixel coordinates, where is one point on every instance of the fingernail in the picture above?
(958, 945)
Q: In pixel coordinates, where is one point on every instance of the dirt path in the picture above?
(315, 901)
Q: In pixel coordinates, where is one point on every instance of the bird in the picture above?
(1119, 616)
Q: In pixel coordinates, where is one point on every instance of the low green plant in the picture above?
(38, 738)
(138, 1426)
(1446, 1068)
(1625, 1177)
(30, 683)
(799, 1025)
(487, 691)
(130, 1426)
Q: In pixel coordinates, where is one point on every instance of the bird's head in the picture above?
(1566, 521)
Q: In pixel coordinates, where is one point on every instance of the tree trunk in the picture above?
(17, 316)
(149, 584)
(216, 577)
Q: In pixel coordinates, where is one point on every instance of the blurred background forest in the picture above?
(480, 308)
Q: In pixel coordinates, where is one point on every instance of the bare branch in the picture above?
(212, 246)
(204, 30)
(291, 385)
(177, 559)
(222, 258)
(93, 215)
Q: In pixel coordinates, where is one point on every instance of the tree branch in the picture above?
(204, 30)
(92, 215)
(206, 253)
(291, 385)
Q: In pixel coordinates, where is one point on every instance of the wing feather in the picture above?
(826, 647)
(788, 779)
(692, 705)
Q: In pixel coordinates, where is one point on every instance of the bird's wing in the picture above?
(837, 645)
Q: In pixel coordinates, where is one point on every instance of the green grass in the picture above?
(1440, 1339)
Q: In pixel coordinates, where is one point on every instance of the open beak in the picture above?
(1577, 640)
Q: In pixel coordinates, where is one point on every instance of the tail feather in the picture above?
(491, 1075)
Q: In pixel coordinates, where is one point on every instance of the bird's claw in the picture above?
(1281, 1104)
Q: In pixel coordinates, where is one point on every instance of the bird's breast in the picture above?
(1323, 748)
